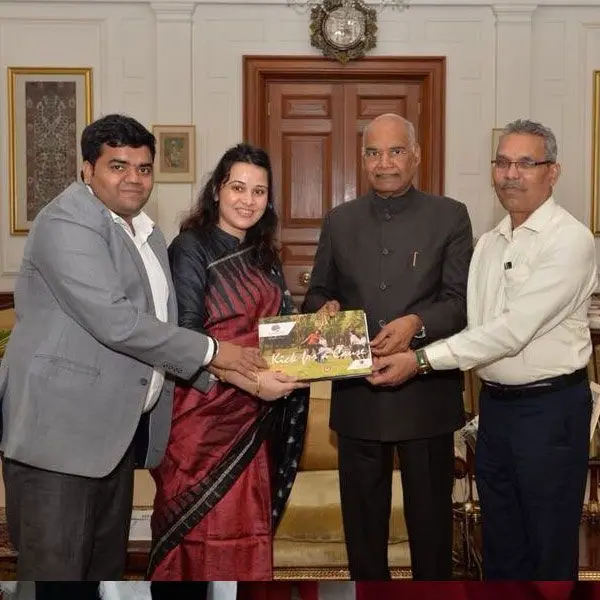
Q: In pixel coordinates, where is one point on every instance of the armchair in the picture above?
(309, 543)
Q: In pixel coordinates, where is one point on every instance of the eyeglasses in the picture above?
(503, 164)
(375, 155)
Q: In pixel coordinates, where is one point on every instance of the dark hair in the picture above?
(115, 131)
(206, 212)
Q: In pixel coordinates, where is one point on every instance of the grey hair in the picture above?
(410, 129)
(527, 127)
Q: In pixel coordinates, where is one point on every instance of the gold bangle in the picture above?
(257, 385)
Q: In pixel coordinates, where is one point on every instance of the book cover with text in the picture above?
(317, 346)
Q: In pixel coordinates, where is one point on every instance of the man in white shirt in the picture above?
(530, 283)
(87, 378)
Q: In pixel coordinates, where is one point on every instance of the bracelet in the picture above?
(257, 386)
(423, 364)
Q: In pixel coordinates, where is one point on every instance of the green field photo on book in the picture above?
(317, 346)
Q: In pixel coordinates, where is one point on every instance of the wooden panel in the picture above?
(306, 179)
(294, 107)
(371, 106)
(305, 142)
(297, 266)
(297, 253)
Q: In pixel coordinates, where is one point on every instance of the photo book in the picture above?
(316, 346)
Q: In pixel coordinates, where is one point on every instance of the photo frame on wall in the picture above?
(595, 218)
(48, 108)
(175, 160)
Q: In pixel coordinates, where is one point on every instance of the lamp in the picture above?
(304, 6)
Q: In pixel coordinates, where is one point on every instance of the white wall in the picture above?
(180, 62)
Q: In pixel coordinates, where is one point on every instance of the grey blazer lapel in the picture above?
(139, 263)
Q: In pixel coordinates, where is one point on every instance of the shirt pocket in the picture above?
(515, 279)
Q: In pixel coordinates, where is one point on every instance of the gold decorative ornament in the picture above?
(304, 278)
(343, 29)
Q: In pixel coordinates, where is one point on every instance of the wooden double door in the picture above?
(309, 114)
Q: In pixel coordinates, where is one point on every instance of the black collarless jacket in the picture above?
(392, 257)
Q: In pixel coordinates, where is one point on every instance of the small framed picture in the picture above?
(48, 108)
(175, 160)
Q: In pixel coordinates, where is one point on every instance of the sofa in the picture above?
(7, 319)
(309, 543)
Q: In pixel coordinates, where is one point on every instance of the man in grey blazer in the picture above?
(87, 379)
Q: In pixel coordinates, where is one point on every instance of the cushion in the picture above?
(313, 513)
(7, 318)
(320, 389)
(320, 443)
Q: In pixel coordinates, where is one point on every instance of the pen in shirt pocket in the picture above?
(414, 258)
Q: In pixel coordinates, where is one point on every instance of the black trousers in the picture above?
(67, 590)
(531, 466)
(427, 470)
(66, 527)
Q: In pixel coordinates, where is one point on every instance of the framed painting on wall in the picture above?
(595, 220)
(48, 108)
(175, 160)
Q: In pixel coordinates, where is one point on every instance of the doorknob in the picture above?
(304, 278)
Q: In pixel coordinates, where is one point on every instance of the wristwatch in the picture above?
(422, 334)
(423, 364)
(215, 349)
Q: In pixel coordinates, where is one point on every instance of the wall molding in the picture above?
(412, 3)
(174, 12)
(514, 13)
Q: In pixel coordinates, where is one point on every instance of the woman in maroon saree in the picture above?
(233, 451)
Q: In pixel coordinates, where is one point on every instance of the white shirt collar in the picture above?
(142, 223)
(535, 222)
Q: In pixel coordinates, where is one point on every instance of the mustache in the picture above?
(515, 185)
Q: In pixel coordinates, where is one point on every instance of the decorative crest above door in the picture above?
(344, 29)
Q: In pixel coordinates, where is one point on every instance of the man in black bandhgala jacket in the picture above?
(403, 256)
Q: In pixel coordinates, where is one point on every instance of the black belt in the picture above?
(537, 388)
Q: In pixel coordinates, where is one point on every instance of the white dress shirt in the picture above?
(528, 295)
(142, 228)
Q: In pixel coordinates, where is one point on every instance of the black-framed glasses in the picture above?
(503, 164)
